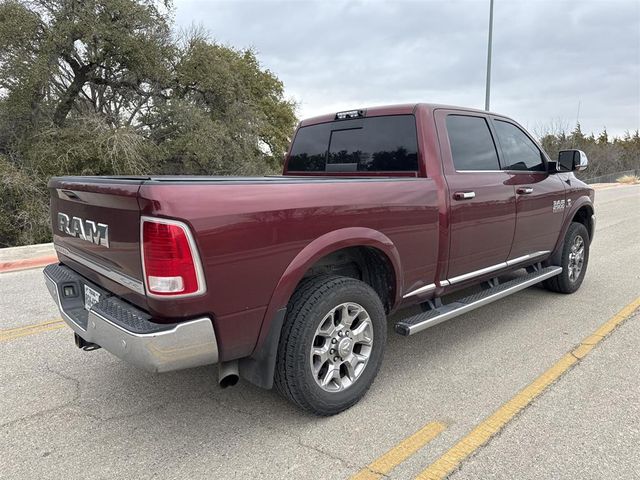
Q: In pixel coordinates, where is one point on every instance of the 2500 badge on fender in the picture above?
(289, 281)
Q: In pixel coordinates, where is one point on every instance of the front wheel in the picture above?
(574, 260)
(332, 344)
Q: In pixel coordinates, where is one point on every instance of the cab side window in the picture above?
(472, 146)
(519, 151)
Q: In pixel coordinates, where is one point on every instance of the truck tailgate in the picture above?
(96, 230)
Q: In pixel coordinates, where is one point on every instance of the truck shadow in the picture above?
(195, 392)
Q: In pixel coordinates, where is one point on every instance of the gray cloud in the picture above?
(549, 56)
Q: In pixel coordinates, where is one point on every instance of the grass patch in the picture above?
(629, 179)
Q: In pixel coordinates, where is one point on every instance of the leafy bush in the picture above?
(23, 210)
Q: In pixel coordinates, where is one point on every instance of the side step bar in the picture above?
(424, 320)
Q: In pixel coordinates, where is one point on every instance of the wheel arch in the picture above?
(582, 212)
(328, 244)
(584, 215)
(259, 367)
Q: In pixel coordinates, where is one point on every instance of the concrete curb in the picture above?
(604, 186)
(27, 263)
(607, 186)
(29, 256)
(26, 251)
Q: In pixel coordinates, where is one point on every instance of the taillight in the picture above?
(170, 259)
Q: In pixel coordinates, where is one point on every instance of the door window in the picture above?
(519, 151)
(472, 145)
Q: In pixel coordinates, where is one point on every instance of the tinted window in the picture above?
(309, 149)
(471, 143)
(519, 151)
(369, 144)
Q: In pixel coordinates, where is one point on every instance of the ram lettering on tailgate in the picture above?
(88, 230)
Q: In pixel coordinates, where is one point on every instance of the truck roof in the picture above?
(397, 109)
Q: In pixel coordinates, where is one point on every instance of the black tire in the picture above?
(563, 283)
(311, 302)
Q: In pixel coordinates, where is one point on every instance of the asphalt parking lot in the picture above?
(65, 413)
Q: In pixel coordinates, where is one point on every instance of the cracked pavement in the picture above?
(65, 413)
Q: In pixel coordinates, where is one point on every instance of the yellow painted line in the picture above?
(13, 333)
(482, 433)
(398, 454)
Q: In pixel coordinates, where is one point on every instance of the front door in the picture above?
(482, 211)
(540, 197)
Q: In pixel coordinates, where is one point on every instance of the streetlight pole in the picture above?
(488, 90)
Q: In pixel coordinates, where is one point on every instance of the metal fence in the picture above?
(611, 177)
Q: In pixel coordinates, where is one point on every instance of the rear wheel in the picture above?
(574, 260)
(332, 344)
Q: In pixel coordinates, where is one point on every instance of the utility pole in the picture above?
(488, 91)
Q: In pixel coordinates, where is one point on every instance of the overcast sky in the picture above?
(549, 57)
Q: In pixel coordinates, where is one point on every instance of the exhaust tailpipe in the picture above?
(228, 374)
(83, 344)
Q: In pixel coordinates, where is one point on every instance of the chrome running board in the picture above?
(424, 320)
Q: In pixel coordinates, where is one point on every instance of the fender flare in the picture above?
(259, 367)
(323, 246)
(577, 205)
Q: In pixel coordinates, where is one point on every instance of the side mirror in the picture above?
(572, 161)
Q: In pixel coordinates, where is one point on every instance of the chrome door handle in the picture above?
(464, 195)
(524, 190)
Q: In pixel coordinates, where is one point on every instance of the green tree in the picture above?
(606, 154)
(94, 56)
(603, 138)
(225, 114)
(103, 87)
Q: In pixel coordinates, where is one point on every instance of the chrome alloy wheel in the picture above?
(341, 347)
(576, 258)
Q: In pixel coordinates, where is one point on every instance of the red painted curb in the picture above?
(27, 263)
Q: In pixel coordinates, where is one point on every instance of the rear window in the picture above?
(374, 144)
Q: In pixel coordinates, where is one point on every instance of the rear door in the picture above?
(540, 197)
(482, 212)
(96, 231)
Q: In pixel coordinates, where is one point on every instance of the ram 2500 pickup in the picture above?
(289, 280)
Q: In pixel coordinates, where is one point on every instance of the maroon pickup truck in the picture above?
(289, 280)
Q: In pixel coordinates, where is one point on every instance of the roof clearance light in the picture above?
(349, 114)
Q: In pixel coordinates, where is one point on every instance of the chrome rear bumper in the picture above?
(126, 331)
